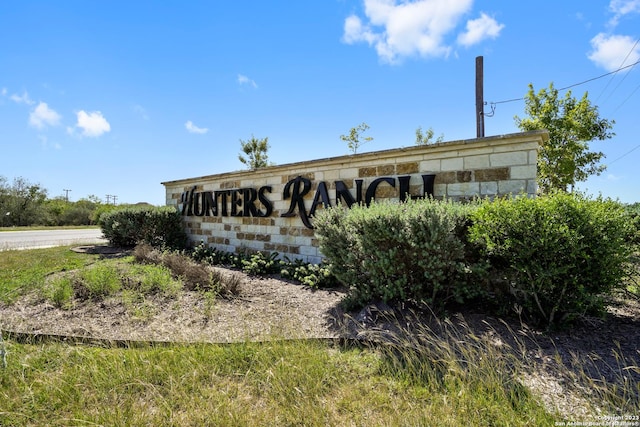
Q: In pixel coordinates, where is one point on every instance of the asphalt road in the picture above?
(48, 238)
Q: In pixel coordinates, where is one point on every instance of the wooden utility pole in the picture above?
(479, 97)
(66, 196)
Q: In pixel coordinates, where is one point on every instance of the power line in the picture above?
(627, 98)
(573, 85)
(624, 155)
(625, 76)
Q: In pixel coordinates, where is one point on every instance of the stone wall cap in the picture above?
(537, 135)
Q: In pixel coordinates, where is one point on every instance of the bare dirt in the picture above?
(267, 308)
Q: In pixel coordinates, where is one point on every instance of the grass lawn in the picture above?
(279, 382)
(274, 383)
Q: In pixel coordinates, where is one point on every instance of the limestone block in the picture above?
(509, 159)
(453, 164)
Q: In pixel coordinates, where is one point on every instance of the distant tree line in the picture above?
(23, 203)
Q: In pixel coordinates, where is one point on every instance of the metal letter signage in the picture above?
(248, 202)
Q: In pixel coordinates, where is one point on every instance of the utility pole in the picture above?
(108, 196)
(66, 195)
(114, 199)
(479, 97)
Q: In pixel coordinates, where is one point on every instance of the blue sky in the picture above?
(115, 97)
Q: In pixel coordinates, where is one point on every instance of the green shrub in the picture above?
(633, 211)
(259, 264)
(556, 256)
(210, 255)
(393, 251)
(315, 276)
(157, 226)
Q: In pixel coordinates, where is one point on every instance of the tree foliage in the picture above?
(256, 152)
(565, 159)
(426, 137)
(354, 139)
(21, 202)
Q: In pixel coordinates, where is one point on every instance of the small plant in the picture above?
(426, 137)
(98, 281)
(209, 303)
(155, 279)
(144, 253)
(315, 276)
(61, 292)
(194, 275)
(256, 151)
(259, 264)
(354, 140)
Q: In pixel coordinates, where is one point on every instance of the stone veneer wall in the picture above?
(463, 169)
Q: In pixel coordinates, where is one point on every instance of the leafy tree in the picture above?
(565, 159)
(256, 152)
(426, 137)
(353, 139)
(21, 202)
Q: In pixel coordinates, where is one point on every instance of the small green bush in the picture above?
(398, 251)
(315, 276)
(259, 264)
(157, 226)
(556, 256)
(212, 256)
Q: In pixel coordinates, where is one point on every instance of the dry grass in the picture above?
(194, 275)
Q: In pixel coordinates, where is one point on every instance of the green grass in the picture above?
(24, 271)
(274, 383)
(119, 278)
(444, 377)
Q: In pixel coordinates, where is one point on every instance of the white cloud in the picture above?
(244, 80)
(621, 8)
(480, 29)
(195, 129)
(93, 124)
(402, 28)
(21, 99)
(43, 116)
(4, 91)
(609, 51)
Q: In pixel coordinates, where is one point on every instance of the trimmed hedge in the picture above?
(552, 259)
(157, 226)
(414, 250)
(557, 256)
